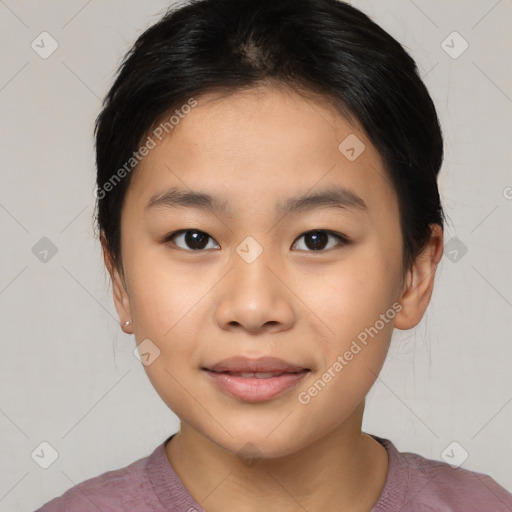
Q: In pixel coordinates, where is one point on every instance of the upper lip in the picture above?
(242, 364)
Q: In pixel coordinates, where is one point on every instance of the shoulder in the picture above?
(426, 485)
(128, 488)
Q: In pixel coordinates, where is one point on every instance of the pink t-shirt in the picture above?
(413, 484)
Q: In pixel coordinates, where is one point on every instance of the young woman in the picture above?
(269, 213)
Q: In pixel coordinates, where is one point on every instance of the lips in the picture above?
(255, 380)
(257, 375)
(245, 365)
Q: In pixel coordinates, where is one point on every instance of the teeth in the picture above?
(259, 375)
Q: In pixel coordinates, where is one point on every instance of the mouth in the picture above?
(255, 380)
(259, 375)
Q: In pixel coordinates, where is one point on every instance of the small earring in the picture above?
(127, 323)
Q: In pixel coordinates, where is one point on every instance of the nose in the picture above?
(255, 297)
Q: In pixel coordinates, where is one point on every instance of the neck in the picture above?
(346, 467)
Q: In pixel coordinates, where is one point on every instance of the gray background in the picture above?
(68, 373)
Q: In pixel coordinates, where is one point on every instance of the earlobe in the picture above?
(120, 294)
(419, 282)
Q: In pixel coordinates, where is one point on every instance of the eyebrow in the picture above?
(332, 197)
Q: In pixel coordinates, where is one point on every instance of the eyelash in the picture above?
(342, 238)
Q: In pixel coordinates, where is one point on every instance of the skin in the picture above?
(254, 149)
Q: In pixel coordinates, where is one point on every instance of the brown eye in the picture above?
(193, 239)
(196, 240)
(318, 240)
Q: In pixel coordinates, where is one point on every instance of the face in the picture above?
(263, 270)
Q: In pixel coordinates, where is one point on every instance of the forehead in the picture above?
(261, 143)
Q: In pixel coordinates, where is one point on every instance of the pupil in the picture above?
(196, 240)
(318, 238)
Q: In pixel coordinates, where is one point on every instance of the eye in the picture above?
(195, 239)
(317, 239)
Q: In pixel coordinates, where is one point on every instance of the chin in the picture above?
(253, 444)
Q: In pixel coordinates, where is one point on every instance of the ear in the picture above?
(419, 282)
(121, 298)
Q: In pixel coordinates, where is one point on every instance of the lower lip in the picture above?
(251, 389)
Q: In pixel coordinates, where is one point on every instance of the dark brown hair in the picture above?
(324, 46)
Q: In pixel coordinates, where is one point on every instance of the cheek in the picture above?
(165, 303)
(356, 292)
(161, 292)
(358, 308)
